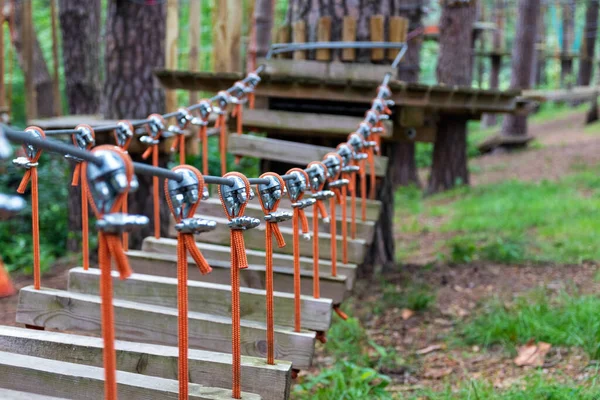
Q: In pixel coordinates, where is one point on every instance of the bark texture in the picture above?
(41, 76)
(568, 27)
(135, 35)
(449, 166)
(590, 30)
(263, 17)
(540, 68)
(522, 61)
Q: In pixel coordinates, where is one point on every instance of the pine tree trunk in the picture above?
(41, 77)
(263, 16)
(540, 74)
(135, 34)
(454, 67)
(590, 30)
(568, 25)
(522, 61)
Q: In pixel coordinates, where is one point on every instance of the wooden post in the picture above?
(228, 36)
(55, 80)
(2, 91)
(299, 37)
(349, 35)
(171, 34)
(377, 29)
(282, 35)
(195, 39)
(28, 38)
(324, 35)
(398, 32)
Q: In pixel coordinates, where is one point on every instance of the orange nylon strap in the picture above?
(373, 178)
(333, 218)
(153, 150)
(238, 261)
(32, 175)
(271, 230)
(353, 206)
(125, 146)
(363, 189)
(85, 242)
(6, 285)
(203, 135)
(185, 244)
(318, 207)
(299, 218)
(110, 248)
(344, 206)
(222, 141)
(179, 142)
(238, 114)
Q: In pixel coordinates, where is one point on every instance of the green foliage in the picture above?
(344, 381)
(15, 234)
(567, 320)
(534, 387)
(414, 296)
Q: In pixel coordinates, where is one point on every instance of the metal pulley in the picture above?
(296, 185)
(123, 133)
(156, 126)
(233, 198)
(30, 150)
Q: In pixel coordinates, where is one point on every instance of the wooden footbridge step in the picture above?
(207, 368)
(67, 311)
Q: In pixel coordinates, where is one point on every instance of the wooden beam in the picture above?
(195, 38)
(65, 311)
(398, 31)
(287, 151)
(299, 32)
(208, 368)
(208, 298)
(334, 70)
(349, 35)
(171, 36)
(251, 277)
(227, 37)
(376, 24)
(255, 240)
(282, 35)
(305, 124)
(28, 34)
(283, 263)
(213, 207)
(7, 394)
(82, 382)
(323, 35)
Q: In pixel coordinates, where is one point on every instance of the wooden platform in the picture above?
(66, 311)
(207, 368)
(500, 140)
(204, 297)
(333, 288)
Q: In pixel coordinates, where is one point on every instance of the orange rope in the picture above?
(373, 178)
(271, 230)
(203, 135)
(32, 175)
(238, 261)
(126, 196)
(153, 150)
(238, 114)
(85, 246)
(344, 225)
(318, 207)
(179, 142)
(363, 190)
(185, 244)
(333, 218)
(110, 247)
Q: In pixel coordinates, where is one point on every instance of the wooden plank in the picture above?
(398, 31)
(255, 240)
(209, 298)
(66, 311)
(252, 277)
(282, 35)
(309, 124)
(194, 38)
(213, 207)
(82, 382)
(349, 35)
(287, 151)
(227, 36)
(283, 263)
(376, 24)
(334, 70)
(7, 394)
(207, 368)
(373, 207)
(299, 29)
(323, 35)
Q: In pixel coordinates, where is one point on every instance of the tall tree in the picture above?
(522, 61)
(496, 57)
(135, 34)
(590, 30)
(568, 35)
(540, 68)
(454, 67)
(263, 19)
(80, 29)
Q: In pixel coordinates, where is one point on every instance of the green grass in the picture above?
(563, 320)
(514, 221)
(414, 296)
(534, 387)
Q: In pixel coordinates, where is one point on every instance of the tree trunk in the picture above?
(522, 61)
(568, 25)
(41, 77)
(263, 17)
(80, 29)
(590, 30)
(540, 69)
(135, 35)
(454, 67)
(488, 120)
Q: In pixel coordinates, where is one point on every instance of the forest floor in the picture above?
(487, 273)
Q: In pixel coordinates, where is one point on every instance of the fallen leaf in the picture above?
(429, 349)
(407, 313)
(437, 373)
(532, 354)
